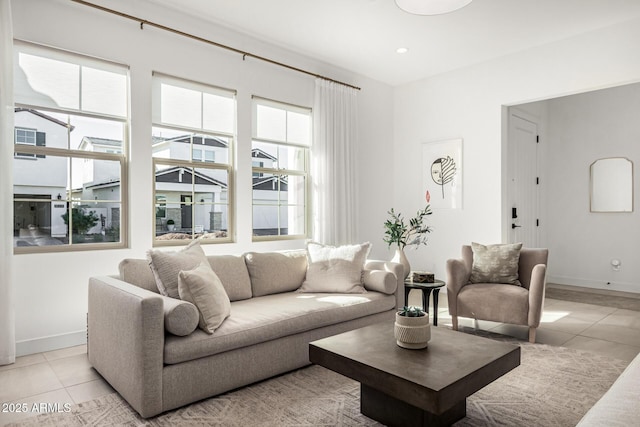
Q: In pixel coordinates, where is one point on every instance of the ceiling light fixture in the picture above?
(402, 50)
(431, 7)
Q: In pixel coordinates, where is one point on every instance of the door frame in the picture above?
(506, 220)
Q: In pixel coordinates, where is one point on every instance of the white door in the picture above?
(522, 172)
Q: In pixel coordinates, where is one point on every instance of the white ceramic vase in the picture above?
(412, 332)
(401, 258)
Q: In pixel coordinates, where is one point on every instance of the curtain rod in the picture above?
(244, 54)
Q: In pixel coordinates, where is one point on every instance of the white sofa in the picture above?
(620, 405)
(131, 345)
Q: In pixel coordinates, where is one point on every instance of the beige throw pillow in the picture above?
(276, 272)
(495, 263)
(202, 287)
(335, 269)
(166, 266)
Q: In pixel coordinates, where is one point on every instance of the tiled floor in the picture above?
(65, 376)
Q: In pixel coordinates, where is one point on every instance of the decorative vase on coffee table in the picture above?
(412, 332)
(401, 258)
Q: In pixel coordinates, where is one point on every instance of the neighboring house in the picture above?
(39, 177)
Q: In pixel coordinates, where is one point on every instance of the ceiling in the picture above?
(363, 35)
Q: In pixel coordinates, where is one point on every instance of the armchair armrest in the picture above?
(457, 276)
(126, 341)
(395, 268)
(536, 294)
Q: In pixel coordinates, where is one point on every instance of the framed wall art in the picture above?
(442, 173)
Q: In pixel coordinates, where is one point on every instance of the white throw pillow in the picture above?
(335, 269)
(202, 287)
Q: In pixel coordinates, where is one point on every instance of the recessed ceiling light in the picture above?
(402, 50)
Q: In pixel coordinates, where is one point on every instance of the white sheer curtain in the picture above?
(334, 165)
(7, 325)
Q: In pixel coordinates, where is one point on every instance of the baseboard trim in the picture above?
(54, 342)
(633, 288)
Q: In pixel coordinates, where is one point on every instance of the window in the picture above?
(70, 135)
(193, 138)
(27, 137)
(280, 175)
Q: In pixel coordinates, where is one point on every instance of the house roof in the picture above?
(209, 141)
(172, 175)
(261, 154)
(44, 116)
(269, 183)
(100, 141)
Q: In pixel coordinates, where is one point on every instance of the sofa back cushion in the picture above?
(276, 272)
(138, 272)
(233, 274)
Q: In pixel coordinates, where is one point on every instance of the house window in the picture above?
(193, 138)
(27, 137)
(280, 172)
(71, 117)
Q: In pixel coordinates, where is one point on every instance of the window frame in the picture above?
(260, 171)
(69, 153)
(201, 163)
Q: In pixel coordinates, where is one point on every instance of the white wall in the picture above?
(583, 128)
(468, 103)
(51, 300)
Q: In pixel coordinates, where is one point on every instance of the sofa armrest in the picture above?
(457, 276)
(126, 341)
(536, 294)
(395, 268)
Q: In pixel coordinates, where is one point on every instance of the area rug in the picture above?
(553, 386)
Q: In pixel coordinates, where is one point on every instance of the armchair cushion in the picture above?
(495, 263)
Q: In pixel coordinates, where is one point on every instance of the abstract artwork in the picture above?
(442, 173)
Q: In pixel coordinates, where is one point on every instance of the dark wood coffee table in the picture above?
(401, 387)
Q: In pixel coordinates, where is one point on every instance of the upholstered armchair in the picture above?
(520, 303)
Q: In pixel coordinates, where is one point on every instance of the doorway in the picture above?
(523, 180)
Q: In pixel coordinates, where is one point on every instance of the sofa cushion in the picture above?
(138, 272)
(276, 272)
(180, 317)
(335, 269)
(202, 287)
(166, 265)
(233, 274)
(269, 317)
(380, 281)
(485, 301)
(495, 263)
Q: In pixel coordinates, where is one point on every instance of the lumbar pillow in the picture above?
(202, 287)
(495, 263)
(166, 266)
(380, 281)
(276, 272)
(180, 317)
(335, 269)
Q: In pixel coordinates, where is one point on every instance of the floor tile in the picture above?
(23, 361)
(564, 322)
(74, 370)
(65, 352)
(27, 381)
(611, 349)
(613, 333)
(543, 336)
(623, 318)
(54, 400)
(89, 390)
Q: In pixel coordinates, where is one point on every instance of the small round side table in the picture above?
(426, 289)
